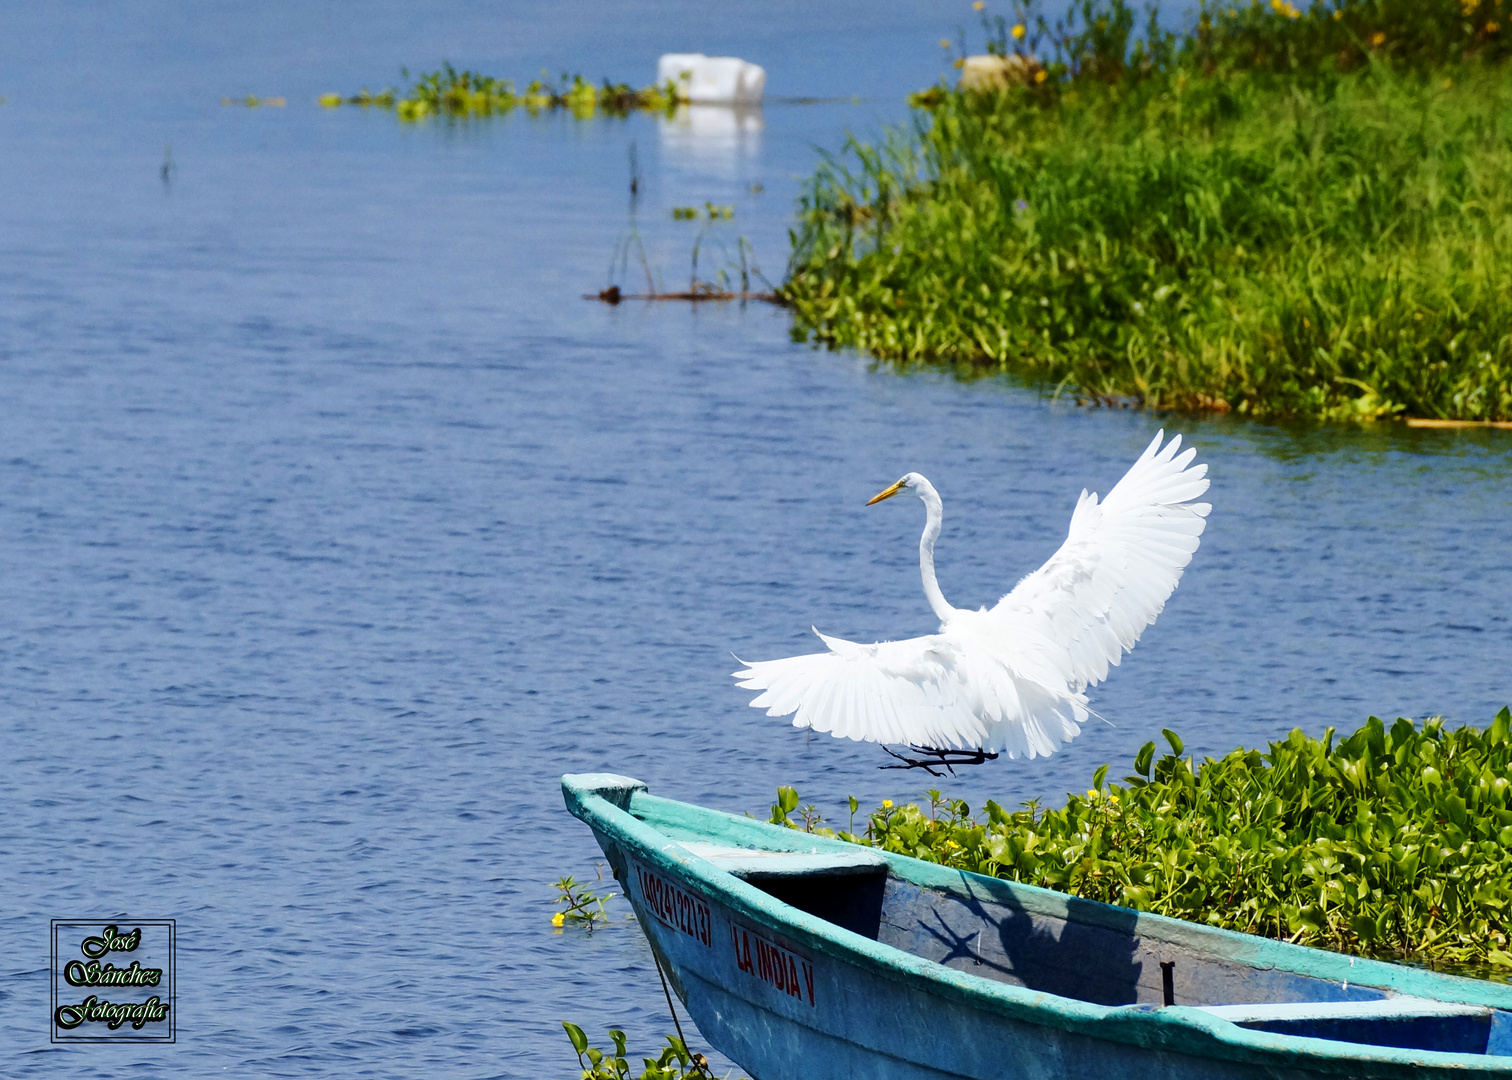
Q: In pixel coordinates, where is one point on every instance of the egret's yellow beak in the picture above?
(889, 493)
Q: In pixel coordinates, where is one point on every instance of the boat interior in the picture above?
(1096, 952)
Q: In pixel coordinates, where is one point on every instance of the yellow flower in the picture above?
(559, 918)
(1378, 37)
(1492, 27)
(978, 6)
(1039, 76)
(887, 804)
(944, 43)
(1338, 15)
(1018, 31)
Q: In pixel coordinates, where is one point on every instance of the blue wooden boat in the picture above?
(805, 958)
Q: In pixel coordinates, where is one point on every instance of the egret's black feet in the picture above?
(931, 759)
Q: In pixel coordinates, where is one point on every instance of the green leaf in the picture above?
(578, 1037)
(787, 798)
(1098, 777)
(1174, 739)
(1500, 728)
(1143, 758)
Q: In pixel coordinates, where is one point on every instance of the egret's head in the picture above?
(912, 484)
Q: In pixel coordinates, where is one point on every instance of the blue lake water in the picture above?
(335, 526)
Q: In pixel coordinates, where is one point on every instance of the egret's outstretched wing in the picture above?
(1087, 606)
(953, 689)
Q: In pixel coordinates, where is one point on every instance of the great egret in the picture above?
(1009, 679)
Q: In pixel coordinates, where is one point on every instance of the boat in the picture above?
(802, 957)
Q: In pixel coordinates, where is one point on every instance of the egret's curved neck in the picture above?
(936, 516)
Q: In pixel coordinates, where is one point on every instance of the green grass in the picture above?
(1217, 221)
(1394, 843)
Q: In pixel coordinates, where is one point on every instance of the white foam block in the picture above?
(711, 80)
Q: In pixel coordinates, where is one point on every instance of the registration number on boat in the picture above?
(676, 908)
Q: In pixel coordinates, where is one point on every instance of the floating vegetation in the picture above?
(1394, 843)
(384, 99)
(712, 212)
(1278, 212)
(253, 102)
(583, 906)
(467, 94)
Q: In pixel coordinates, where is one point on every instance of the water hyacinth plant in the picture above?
(1394, 843)
(1280, 211)
(675, 1062)
(468, 94)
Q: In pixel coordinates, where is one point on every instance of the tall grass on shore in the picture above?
(1333, 242)
(1102, 39)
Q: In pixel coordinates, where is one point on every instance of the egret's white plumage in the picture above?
(1009, 679)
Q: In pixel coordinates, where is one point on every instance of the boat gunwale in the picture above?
(1185, 1030)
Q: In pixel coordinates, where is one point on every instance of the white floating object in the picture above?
(997, 72)
(711, 80)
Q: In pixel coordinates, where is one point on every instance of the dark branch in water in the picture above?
(612, 295)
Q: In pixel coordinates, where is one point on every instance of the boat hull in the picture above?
(789, 995)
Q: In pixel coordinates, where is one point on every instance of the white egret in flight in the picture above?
(1010, 678)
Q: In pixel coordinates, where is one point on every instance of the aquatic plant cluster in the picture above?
(1394, 843)
(675, 1062)
(465, 94)
(583, 906)
(1279, 211)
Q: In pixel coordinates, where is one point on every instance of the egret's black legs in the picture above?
(931, 759)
